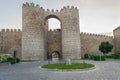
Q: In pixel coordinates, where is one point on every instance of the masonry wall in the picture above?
(33, 35)
(90, 43)
(117, 39)
(54, 42)
(10, 41)
(71, 47)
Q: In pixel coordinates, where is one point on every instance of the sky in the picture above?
(96, 16)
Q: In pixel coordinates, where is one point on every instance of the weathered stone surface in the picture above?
(35, 42)
(117, 39)
(10, 41)
(54, 41)
(90, 43)
(34, 35)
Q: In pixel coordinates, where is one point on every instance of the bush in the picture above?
(3, 57)
(17, 60)
(7, 58)
(97, 58)
(11, 60)
(91, 56)
(108, 56)
(116, 56)
(86, 56)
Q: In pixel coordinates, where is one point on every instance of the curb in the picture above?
(87, 69)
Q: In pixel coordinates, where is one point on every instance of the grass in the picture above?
(64, 66)
(29, 60)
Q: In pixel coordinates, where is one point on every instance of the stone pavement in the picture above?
(105, 70)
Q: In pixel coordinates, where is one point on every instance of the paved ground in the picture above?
(106, 70)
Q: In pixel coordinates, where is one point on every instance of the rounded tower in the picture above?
(33, 34)
(70, 33)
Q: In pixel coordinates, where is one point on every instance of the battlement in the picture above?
(55, 30)
(52, 10)
(65, 8)
(97, 35)
(69, 8)
(10, 30)
(32, 5)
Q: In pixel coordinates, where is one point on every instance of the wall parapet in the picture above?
(10, 30)
(32, 5)
(69, 7)
(55, 30)
(97, 35)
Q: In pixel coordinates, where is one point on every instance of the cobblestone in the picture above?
(105, 70)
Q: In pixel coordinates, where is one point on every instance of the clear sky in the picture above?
(96, 16)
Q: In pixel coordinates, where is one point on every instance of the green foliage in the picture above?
(7, 58)
(98, 58)
(116, 56)
(105, 47)
(108, 56)
(64, 66)
(3, 57)
(11, 60)
(86, 56)
(91, 56)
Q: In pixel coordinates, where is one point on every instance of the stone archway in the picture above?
(34, 35)
(53, 37)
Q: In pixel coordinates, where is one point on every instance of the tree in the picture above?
(105, 47)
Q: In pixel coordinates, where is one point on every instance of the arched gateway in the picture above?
(35, 32)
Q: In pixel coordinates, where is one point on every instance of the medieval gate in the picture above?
(35, 29)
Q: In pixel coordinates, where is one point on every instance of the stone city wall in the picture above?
(35, 42)
(10, 41)
(34, 39)
(54, 41)
(90, 42)
(117, 39)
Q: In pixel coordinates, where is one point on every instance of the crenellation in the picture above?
(23, 5)
(97, 35)
(48, 10)
(15, 30)
(3, 30)
(37, 5)
(11, 41)
(57, 10)
(32, 4)
(50, 30)
(52, 10)
(72, 7)
(64, 7)
(41, 7)
(90, 42)
(27, 4)
(76, 8)
(7, 30)
(68, 7)
(11, 30)
(55, 30)
(19, 30)
(37, 40)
